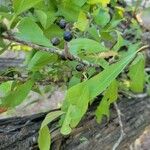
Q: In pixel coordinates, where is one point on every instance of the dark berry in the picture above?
(68, 36)
(80, 67)
(62, 24)
(55, 41)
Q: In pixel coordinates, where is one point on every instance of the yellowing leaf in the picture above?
(106, 54)
(102, 2)
(82, 22)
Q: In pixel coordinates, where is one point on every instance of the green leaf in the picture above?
(80, 95)
(137, 74)
(73, 81)
(40, 59)
(5, 88)
(110, 96)
(50, 117)
(104, 79)
(29, 31)
(79, 3)
(82, 23)
(119, 43)
(69, 11)
(15, 97)
(41, 15)
(23, 5)
(102, 110)
(102, 18)
(44, 139)
(78, 98)
(94, 33)
(46, 18)
(90, 46)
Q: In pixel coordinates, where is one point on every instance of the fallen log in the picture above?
(20, 133)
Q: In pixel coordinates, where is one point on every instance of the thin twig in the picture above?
(122, 134)
(55, 50)
(24, 79)
(143, 48)
(51, 50)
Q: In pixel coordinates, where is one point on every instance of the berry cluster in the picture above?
(67, 37)
(67, 34)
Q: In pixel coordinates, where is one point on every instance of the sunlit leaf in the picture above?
(44, 140)
(29, 31)
(15, 97)
(137, 74)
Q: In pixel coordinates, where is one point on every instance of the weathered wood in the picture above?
(21, 133)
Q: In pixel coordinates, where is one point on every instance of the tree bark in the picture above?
(21, 133)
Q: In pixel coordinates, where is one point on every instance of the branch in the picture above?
(51, 50)
(24, 79)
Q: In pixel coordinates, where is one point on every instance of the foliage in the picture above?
(100, 46)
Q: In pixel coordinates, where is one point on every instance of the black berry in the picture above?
(55, 41)
(80, 67)
(68, 36)
(62, 24)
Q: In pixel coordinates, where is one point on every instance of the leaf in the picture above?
(119, 43)
(69, 11)
(40, 59)
(94, 33)
(102, 2)
(29, 31)
(110, 96)
(102, 18)
(5, 87)
(82, 23)
(78, 99)
(44, 139)
(102, 110)
(90, 46)
(79, 3)
(137, 74)
(73, 81)
(15, 97)
(46, 18)
(50, 117)
(41, 15)
(78, 96)
(23, 5)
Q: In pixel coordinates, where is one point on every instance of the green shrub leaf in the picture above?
(15, 97)
(90, 46)
(29, 31)
(40, 59)
(137, 74)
